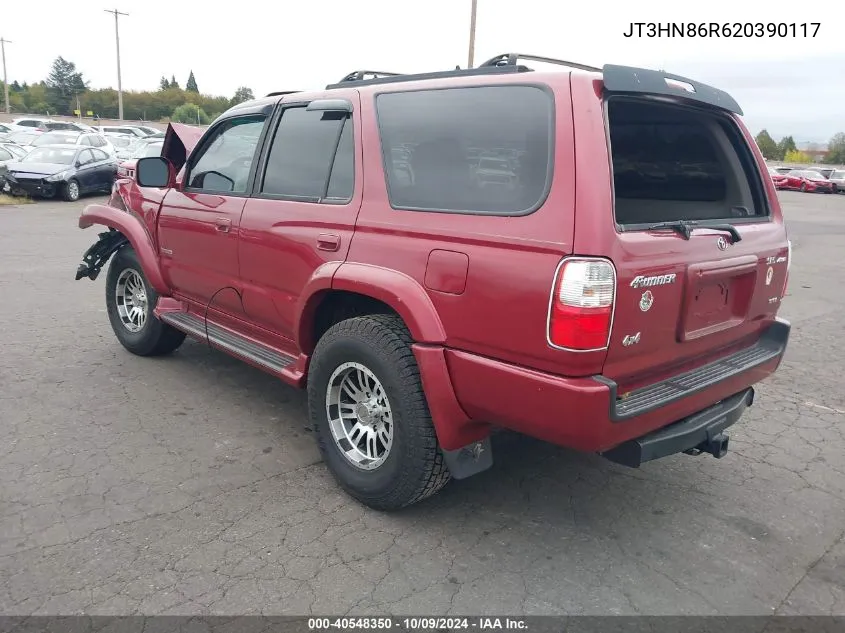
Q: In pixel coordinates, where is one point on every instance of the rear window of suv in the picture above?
(438, 146)
(673, 163)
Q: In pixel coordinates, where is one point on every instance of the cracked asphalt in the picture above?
(191, 485)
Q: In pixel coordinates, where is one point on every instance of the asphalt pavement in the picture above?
(192, 485)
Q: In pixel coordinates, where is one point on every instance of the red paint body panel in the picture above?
(473, 290)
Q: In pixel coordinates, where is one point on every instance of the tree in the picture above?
(836, 149)
(63, 84)
(787, 144)
(767, 145)
(242, 94)
(794, 156)
(190, 113)
(163, 83)
(173, 82)
(191, 86)
(15, 86)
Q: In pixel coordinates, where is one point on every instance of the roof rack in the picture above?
(511, 59)
(353, 78)
(281, 92)
(363, 75)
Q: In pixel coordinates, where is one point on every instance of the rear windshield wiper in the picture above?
(685, 227)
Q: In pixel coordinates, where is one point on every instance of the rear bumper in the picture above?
(701, 431)
(588, 413)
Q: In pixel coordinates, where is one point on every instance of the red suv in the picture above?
(594, 257)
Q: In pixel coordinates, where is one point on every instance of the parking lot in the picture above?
(191, 484)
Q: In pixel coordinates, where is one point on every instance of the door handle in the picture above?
(223, 224)
(328, 242)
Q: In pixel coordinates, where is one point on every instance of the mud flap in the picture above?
(470, 460)
(96, 257)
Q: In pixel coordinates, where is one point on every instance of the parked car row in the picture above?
(70, 163)
(809, 180)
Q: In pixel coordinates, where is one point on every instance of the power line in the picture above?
(117, 42)
(3, 43)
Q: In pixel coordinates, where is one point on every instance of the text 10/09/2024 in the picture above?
(722, 29)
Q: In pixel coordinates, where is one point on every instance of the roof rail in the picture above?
(363, 75)
(443, 74)
(510, 59)
(281, 92)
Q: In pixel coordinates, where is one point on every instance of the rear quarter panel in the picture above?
(488, 277)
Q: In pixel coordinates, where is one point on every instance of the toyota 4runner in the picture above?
(593, 257)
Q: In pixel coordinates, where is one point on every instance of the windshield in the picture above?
(120, 141)
(147, 149)
(57, 155)
(54, 138)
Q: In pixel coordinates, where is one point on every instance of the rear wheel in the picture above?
(129, 302)
(370, 415)
(70, 191)
(804, 186)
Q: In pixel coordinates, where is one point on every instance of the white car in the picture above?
(121, 129)
(837, 177)
(123, 144)
(67, 137)
(29, 124)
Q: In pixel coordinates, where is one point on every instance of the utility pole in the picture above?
(3, 43)
(117, 41)
(472, 34)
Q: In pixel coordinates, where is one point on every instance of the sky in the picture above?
(788, 85)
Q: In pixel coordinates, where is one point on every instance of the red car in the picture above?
(807, 180)
(617, 293)
(778, 178)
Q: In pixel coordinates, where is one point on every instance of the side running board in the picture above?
(240, 346)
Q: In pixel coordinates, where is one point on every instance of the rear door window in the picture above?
(477, 150)
(311, 157)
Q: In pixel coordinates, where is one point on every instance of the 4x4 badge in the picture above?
(646, 301)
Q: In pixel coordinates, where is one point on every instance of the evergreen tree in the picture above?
(191, 86)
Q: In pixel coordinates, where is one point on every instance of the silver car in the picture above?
(837, 177)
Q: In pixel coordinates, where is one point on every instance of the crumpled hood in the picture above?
(24, 170)
(179, 142)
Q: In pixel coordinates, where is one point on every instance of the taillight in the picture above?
(581, 308)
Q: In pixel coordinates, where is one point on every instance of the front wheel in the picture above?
(129, 302)
(370, 415)
(804, 187)
(70, 191)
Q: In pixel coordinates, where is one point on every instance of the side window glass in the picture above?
(480, 150)
(86, 140)
(85, 157)
(342, 178)
(99, 154)
(224, 163)
(302, 160)
(4, 155)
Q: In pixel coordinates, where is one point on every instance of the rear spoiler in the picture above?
(630, 80)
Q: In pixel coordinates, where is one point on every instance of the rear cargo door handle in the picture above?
(223, 224)
(328, 242)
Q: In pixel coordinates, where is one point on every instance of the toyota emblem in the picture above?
(722, 243)
(646, 301)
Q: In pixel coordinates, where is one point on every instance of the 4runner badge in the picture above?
(641, 281)
(631, 339)
(646, 301)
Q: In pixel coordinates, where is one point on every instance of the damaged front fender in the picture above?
(96, 257)
(124, 227)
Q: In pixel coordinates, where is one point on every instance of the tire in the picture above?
(70, 190)
(151, 337)
(413, 467)
(804, 187)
